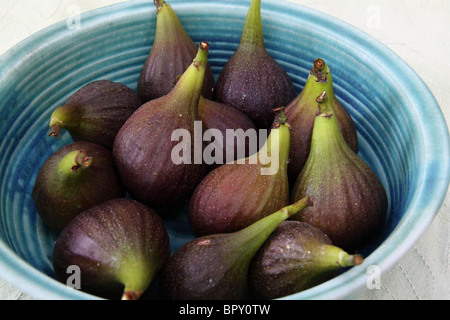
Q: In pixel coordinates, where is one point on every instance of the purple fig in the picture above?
(171, 54)
(239, 193)
(252, 81)
(119, 247)
(350, 202)
(301, 113)
(228, 121)
(73, 179)
(95, 112)
(215, 267)
(296, 257)
(144, 147)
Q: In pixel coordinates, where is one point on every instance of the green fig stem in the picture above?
(136, 275)
(319, 81)
(65, 116)
(74, 161)
(280, 117)
(252, 32)
(278, 141)
(326, 131)
(189, 85)
(56, 126)
(296, 207)
(202, 55)
(332, 257)
(131, 295)
(158, 4)
(258, 232)
(167, 23)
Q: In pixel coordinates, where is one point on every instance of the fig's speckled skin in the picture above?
(215, 267)
(96, 112)
(251, 80)
(221, 117)
(350, 202)
(296, 257)
(235, 195)
(301, 113)
(59, 197)
(171, 54)
(143, 149)
(119, 246)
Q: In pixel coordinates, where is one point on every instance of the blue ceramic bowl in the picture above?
(402, 133)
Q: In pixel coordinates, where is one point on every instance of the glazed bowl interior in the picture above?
(397, 119)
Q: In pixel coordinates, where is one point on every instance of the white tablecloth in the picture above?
(417, 30)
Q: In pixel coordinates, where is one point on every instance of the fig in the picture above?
(234, 128)
(73, 179)
(296, 257)
(240, 192)
(301, 113)
(171, 54)
(215, 267)
(350, 202)
(152, 168)
(95, 112)
(252, 80)
(119, 247)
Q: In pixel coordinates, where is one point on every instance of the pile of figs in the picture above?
(276, 196)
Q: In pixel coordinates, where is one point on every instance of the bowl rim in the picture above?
(38, 285)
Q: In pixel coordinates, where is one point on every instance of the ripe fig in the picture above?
(119, 247)
(232, 125)
(215, 267)
(301, 113)
(239, 193)
(350, 202)
(296, 257)
(251, 80)
(73, 179)
(145, 147)
(171, 54)
(95, 112)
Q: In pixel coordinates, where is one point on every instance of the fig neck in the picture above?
(329, 257)
(168, 26)
(254, 235)
(319, 80)
(66, 116)
(252, 32)
(72, 164)
(189, 86)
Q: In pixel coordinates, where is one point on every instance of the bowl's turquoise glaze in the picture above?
(402, 132)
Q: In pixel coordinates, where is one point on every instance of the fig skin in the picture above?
(171, 54)
(296, 257)
(95, 112)
(215, 267)
(143, 147)
(237, 194)
(251, 80)
(62, 190)
(219, 116)
(301, 113)
(350, 201)
(120, 247)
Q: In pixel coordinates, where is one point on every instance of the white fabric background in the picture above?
(417, 30)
